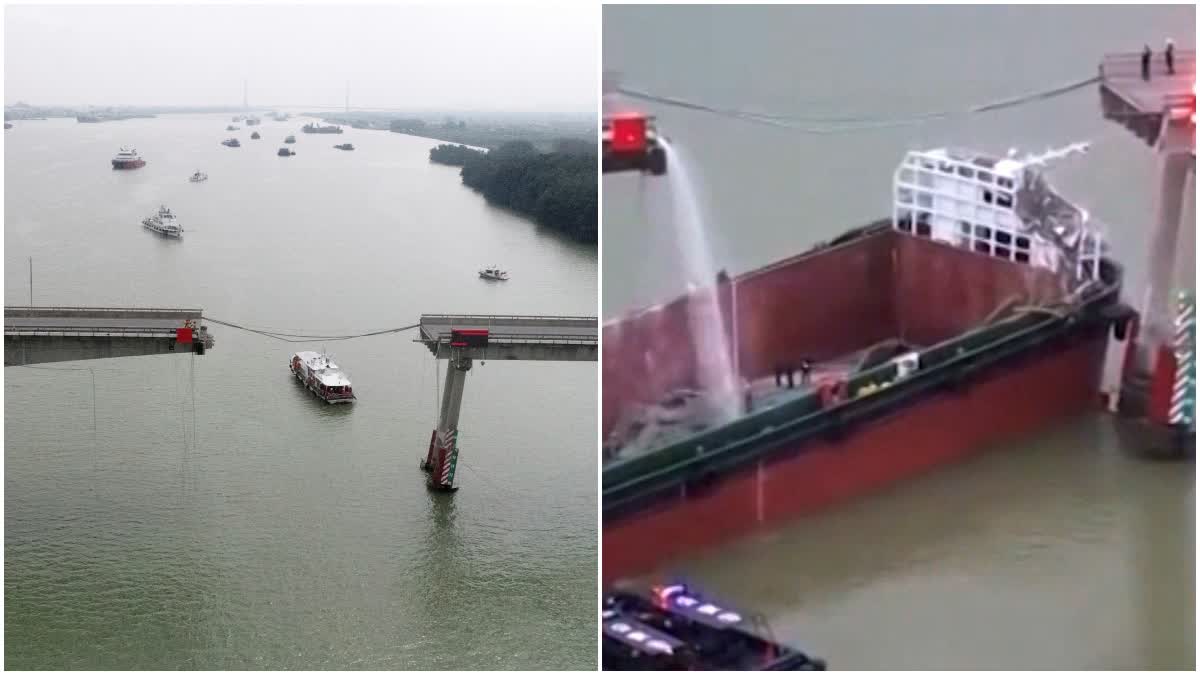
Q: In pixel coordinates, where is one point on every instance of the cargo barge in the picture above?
(984, 309)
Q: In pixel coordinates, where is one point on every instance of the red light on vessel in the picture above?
(1193, 102)
(629, 134)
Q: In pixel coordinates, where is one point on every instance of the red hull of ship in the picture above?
(818, 474)
(823, 305)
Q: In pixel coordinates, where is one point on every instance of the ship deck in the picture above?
(684, 413)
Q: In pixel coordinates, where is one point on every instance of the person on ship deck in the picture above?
(806, 365)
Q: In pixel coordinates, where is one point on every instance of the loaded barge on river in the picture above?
(985, 308)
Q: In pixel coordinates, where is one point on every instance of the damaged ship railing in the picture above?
(699, 460)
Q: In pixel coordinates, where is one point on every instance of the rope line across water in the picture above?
(846, 124)
(298, 337)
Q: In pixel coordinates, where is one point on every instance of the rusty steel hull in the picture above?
(881, 285)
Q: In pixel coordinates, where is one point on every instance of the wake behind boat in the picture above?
(322, 377)
(165, 223)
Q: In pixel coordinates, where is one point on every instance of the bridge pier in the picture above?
(442, 459)
(1157, 386)
(1158, 380)
(462, 338)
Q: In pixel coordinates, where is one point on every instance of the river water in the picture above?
(209, 513)
(1064, 551)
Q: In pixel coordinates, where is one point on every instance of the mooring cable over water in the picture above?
(299, 337)
(851, 123)
(193, 385)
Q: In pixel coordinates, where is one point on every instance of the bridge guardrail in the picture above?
(55, 308)
(91, 330)
(506, 317)
(513, 339)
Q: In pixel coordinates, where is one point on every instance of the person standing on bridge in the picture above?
(1169, 56)
(1146, 62)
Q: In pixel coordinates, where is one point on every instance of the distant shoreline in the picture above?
(556, 189)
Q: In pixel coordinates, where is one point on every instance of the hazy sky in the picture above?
(420, 56)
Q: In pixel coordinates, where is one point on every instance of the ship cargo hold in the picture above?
(984, 309)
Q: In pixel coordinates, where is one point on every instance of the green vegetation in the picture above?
(481, 130)
(557, 189)
(454, 155)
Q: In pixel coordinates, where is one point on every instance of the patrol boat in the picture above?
(675, 628)
(165, 223)
(494, 273)
(322, 376)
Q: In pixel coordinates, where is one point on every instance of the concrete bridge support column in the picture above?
(441, 461)
(1170, 261)
(1153, 374)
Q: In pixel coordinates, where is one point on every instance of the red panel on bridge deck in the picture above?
(183, 335)
(468, 337)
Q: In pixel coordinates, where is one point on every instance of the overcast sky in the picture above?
(430, 56)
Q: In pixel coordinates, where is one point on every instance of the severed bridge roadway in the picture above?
(35, 335)
(515, 338)
(524, 338)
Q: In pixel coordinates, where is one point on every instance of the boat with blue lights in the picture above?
(674, 627)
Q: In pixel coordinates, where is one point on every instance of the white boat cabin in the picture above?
(1002, 207)
(322, 376)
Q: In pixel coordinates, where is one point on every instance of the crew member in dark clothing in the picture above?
(791, 371)
(1169, 55)
(1146, 62)
(805, 370)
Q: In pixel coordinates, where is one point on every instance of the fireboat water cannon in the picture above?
(675, 628)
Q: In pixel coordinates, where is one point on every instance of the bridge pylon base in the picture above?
(433, 486)
(441, 459)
